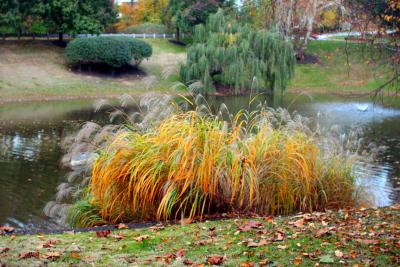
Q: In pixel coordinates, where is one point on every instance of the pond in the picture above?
(31, 135)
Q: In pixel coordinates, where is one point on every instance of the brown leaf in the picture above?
(156, 228)
(29, 254)
(185, 221)
(168, 257)
(52, 255)
(187, 262)
(353, 254)
(298, 223)
(367, 241)
(297, 261)
(204, 242)
(279, 236)
(249, 225)
(338, 254)
(75, 255)
(215, 260)
(4, 250)
(122, 226)
(118, 236)
(180, 253)
(247, 264)
(7, 229)
(321, 232)
(261, 243)
(104, 233)
(141, 238)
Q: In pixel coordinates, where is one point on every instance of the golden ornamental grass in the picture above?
(191, 164)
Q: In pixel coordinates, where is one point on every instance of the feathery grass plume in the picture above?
(194, 163)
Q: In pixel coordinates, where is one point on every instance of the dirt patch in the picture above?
(308, 59)
(104, 71)
(176, 42)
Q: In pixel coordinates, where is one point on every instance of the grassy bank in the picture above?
(37, 71)
(349, 237)
(343, 68)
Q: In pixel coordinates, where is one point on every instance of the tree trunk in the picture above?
(309, 27)
(178, 34)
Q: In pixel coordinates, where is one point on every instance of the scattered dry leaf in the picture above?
(215, 260)
(29, 254)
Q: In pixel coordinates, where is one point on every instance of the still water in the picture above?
(31, 136)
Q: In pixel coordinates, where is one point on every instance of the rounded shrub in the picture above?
(116, 51)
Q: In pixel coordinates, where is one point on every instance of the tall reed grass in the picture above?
(192, 164)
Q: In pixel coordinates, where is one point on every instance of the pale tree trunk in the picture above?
(309, 25)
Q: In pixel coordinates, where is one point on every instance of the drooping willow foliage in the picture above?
(227, 53)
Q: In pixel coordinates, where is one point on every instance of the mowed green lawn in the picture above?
(344, 68)
(37, 71)
(345, 238)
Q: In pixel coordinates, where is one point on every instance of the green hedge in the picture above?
(116, 51)
(147, 28)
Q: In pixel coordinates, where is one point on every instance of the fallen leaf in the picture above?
(122, 226)
(52, 255)
(104, 233)
(180, 253)
(249, 225)
(367, 241)
(187, 262)
(297, 261)
(279, 236)
(75, 255)
(298, 223)
(261, 243)
(168, 257)
(247, 264)
(4, 250)
(141, 238)
(215, 260)
(338, 254)
(29, 254)
(186, 221)
(7, 229)
(157, 228)
(118, 236)
(321, 232)
(282, 247)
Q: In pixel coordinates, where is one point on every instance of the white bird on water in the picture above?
(362, 107)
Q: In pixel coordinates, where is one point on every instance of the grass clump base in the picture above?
(193, 164)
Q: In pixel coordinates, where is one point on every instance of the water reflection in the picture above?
(31, 134)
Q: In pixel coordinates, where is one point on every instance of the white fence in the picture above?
(66, 36)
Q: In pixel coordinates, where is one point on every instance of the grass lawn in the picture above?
(363, 72)
(349, 238)
(36, 71)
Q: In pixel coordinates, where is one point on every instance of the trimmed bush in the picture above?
(147, 28)
(113, 51)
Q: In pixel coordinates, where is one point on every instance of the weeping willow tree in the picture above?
(229, 54)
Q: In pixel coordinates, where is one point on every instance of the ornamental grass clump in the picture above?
(193, 164)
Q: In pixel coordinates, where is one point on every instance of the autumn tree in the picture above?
(185, 14)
